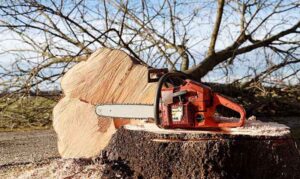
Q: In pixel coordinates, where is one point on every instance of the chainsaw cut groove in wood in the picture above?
(180, 103)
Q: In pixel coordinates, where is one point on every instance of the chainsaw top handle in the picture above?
(163, 79)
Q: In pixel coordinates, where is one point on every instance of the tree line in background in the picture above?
(244, 42)
(259, 37)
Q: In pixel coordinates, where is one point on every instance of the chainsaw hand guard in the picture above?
(155, 74)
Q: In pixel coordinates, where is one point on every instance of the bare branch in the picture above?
(214, 35)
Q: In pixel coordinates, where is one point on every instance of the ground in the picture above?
(22, 151)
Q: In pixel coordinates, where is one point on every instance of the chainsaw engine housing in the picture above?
(193, 105)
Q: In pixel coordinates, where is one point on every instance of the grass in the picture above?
(25, 112)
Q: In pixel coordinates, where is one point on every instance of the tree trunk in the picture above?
(260, 150)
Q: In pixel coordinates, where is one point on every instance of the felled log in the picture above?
(108, 76)
(258, 150)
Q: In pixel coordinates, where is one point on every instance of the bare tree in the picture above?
(245, 40)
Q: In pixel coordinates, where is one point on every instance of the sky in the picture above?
(199, 33)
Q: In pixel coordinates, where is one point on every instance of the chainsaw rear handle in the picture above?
(221, 100)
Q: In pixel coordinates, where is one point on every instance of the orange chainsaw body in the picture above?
(193, 105)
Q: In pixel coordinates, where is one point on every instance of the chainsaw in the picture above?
(180, 102)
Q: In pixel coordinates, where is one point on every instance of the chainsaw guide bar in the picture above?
(129, 111)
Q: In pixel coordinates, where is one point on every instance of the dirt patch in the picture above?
(22, 150)
(27, 146)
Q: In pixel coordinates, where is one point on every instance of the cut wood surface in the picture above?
(258, 150)
(251, 128)
(108, 76)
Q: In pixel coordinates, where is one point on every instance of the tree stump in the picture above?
(258, 150)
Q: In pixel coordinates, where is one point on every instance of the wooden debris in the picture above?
(108, 76)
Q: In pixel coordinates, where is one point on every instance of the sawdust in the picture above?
(98, 167)
(62, 168)
(251, 128)
(261, 128)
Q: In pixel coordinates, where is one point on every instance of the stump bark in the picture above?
(259, 150)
